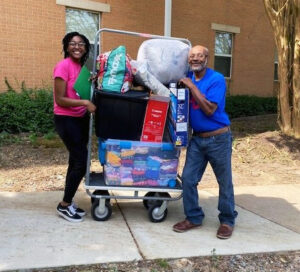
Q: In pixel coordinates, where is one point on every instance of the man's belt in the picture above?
(211, 133)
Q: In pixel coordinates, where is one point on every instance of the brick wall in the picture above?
(31, 33)
(30, 38)
(253, 47)
(132, 15)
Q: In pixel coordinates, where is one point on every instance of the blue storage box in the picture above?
(135, 163)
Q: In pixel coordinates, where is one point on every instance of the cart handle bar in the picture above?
(137, 34)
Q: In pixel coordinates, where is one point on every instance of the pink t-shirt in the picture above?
(68, 70)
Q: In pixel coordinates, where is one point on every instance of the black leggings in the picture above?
(74, 132)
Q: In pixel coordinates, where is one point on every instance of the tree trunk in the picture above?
(296, 78)
(284, 18)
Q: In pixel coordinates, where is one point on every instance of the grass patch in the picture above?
(6, 138)
(163, 263)
(254, 124)
(55, 142)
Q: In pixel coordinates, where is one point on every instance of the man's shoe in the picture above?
(224, 231)
(78, 210)
(68, 213)
(185, 226)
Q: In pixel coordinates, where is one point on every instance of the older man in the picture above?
(211, 142)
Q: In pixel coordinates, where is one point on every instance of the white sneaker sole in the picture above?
(68, 218)
(82, 214)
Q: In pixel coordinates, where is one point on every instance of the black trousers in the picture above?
(74, 132)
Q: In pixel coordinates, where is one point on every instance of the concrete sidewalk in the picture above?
(33, 236)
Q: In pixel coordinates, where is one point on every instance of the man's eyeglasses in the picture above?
(80, 44)
(201, 56)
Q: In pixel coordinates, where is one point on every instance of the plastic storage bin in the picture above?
(135, 163)
(120, 116)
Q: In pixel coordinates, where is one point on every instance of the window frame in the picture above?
(85, 5)
(92, 41)
(276, 65)
(225, 55)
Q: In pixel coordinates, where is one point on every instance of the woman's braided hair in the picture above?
(68, 38)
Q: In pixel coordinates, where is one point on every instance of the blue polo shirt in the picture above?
(213, 86)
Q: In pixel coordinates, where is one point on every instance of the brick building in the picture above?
(237, 33)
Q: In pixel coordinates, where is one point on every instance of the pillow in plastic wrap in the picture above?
(167, 60)
(145, 78)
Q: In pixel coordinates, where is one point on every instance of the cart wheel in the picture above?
(154, 216)
(101, 216)
(148, 203)
(99, 192)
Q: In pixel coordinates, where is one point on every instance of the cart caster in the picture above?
(97, 214)
(154, 214)
(148, 203)
(99, 192)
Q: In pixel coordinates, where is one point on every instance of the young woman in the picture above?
(71, 117)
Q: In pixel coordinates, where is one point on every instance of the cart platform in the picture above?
(97, 182)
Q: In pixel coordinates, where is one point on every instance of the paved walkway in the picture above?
(33, 236)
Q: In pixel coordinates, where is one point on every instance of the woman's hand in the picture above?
(60, 99)
(90, 106)
(93, 78)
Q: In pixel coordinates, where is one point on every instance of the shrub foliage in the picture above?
(26, 111)
(32, 110)
(245, 105)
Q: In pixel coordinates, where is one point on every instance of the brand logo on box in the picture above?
(155, 119)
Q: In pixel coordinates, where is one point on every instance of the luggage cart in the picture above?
(155, 199)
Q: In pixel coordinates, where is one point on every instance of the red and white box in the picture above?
(155, 119)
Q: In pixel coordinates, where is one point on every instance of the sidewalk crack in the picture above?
(131, 233)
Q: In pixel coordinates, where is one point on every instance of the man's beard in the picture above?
(200, 67)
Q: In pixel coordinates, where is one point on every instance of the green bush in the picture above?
(245, 105)
(32, 110)
(26, 111)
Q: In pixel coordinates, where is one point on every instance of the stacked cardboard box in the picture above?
(155, 119)
(178, 115)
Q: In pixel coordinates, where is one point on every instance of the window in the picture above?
(86, 23)
(276, 66)
(223, 53)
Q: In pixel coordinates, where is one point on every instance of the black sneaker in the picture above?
(69, 213)
(79, 211)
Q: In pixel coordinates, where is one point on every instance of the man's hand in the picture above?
(192, 87)
(187, 82)
(206, 106)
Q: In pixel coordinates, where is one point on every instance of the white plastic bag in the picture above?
(167, 60)
(145, 78)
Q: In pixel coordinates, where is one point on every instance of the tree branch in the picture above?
(284, 6)
(270, 10)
